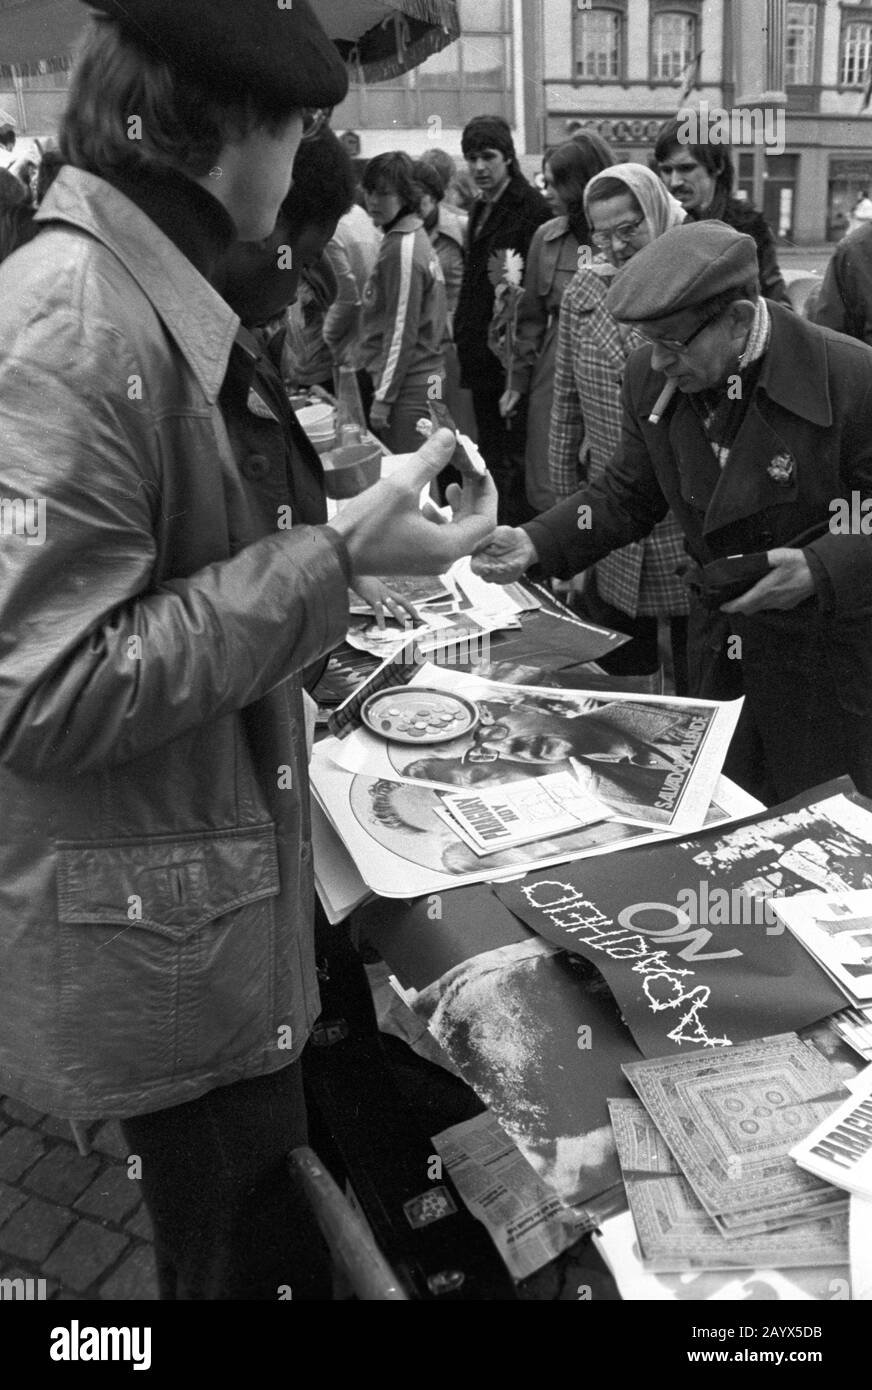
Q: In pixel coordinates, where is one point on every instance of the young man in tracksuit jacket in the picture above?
(404, 313)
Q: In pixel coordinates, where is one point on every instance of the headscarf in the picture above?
(661, 210)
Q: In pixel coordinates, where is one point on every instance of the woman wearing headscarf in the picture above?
(551, 263)
(627, 207)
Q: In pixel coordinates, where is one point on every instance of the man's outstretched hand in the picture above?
(503, 557)
(386, 533)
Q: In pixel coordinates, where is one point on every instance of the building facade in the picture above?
(618, 66)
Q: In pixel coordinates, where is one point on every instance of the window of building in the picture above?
(800, 45)
(856, 54)
(673, 45)
(469, 77)
(598, 40)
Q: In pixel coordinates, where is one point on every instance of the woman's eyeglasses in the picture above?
(623, 233)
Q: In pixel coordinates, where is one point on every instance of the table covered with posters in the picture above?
(541, 990)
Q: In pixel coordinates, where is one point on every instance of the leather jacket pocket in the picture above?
(173, 886)
(166, 954)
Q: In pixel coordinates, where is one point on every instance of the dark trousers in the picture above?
(502, 444)
(228, 1222)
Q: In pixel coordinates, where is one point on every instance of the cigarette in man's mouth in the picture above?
(662, 402)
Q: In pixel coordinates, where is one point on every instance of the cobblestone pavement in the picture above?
(76, 1222)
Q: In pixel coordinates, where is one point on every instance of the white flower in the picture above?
(514, 269)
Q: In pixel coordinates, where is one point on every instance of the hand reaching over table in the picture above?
(380, 597)
(503, 556)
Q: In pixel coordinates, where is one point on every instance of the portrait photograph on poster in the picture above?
(650, 760)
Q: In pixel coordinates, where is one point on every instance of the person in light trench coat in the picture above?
(637, 585)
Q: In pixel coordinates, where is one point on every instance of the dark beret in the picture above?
(276, 53)
(682, 268)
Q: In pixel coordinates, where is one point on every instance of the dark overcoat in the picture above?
(508, 226)
(802, 458)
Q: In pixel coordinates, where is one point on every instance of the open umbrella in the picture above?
(378, 38)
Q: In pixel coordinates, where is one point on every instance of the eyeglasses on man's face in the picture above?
(623, 233)
(673, 344)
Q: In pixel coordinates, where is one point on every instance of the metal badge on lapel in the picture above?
(258, 406)
(782, 468)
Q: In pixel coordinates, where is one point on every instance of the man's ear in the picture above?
(742, 314)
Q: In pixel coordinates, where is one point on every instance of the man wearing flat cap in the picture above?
(762, 450)
(156, 611)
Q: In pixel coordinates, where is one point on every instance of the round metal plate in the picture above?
(406, 714)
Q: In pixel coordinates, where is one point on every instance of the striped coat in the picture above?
(592, 349)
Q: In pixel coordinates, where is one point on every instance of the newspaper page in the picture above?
(527, 1222)
(653, 760)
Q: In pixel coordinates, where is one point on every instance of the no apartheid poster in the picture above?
(683, 933)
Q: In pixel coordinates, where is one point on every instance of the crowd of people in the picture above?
(161, 297)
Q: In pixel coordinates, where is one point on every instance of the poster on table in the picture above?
(537, 1036)
(685, 934)
(650, 760)
(404, 848)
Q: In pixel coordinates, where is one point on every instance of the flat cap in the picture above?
(277, 53)
(682, 268)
